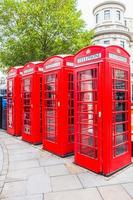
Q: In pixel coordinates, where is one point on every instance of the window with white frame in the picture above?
(118, 15)
(96, 42)
(106, 42)
(107, 15)
(97, 18)
(125, 22)
(122, 44)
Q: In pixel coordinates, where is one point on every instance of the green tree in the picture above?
(37, 29)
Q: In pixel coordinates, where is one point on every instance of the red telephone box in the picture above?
(102, 109)
(58, 110)
(14, 104)
(32, 102)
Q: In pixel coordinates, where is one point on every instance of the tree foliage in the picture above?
(37, 29)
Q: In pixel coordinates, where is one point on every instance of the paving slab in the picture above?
(67, 182)
(1, 165)
(56, 170)
(35, 174)
(129, 188)
(114, 192)
(91, 179)
(2, 177)
(44, 154)
(1, 154)
(23, 156)
(39, 183)
(74, 169)
(82, 194)
(23, 164)
(5, 135)
(11, 140)
(38, 146)
(27, 197)
(14, 189)
(4, 171)
(1, 158)
(23, 174)
(123, 176)
(1, 189)
(17, 146)
(1, 183)
(29, 149)
(52, 160)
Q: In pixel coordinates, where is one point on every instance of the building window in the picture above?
(118, 15)
(107, 15)
(125, 22)
(96, 42)
(2, 80)
(106, 42)
(97, 18)
(122, 44)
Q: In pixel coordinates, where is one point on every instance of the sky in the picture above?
(86, 6)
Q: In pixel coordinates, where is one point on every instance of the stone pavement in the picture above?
(30, 173)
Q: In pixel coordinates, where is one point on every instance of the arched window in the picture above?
(118, 15)
(106, 42)
(107, 15)
(97, 18)
(122, 44)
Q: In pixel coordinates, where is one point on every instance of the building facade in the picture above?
(3, 83)
(113, 28)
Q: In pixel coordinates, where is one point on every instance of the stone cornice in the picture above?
(109, 2)
(113, 31)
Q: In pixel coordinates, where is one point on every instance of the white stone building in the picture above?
(3, 83)
(113, 28)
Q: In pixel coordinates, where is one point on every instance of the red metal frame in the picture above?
(100, 143)
(14, 104)
(32, 102)
(58, 131)
(118, 68)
